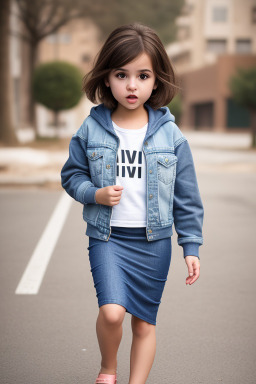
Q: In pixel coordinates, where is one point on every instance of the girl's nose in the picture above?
(131, 85)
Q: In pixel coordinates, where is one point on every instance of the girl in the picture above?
(132, 169)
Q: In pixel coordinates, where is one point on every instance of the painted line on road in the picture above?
(36, 268)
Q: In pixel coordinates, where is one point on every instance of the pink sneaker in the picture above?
(104, 378)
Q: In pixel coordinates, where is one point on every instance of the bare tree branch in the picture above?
(20, 35)
(27, 17)
(59, 24)
(46, 20)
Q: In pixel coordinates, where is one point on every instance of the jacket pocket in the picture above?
(166, 165)
(95, 159)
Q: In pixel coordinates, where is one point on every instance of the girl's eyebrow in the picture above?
(139, 70)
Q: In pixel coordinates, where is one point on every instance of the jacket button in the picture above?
(146, 143)
(150, 171)
(93, 154)
(150, 231)
(108, 166)
(166, 160)
(150, 196)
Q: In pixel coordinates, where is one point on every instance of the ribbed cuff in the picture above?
(191, 249)
(89, 195)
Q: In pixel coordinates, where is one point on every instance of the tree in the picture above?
(243, 89)
(157, 14)
(175, 107)
(41, 18)
(7, 132)
(57, 86)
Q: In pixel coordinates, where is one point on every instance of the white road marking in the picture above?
(36, 268)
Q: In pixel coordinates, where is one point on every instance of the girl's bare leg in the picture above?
(143, 350)
(109, 332)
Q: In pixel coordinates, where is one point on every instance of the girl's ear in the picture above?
(106, 82)
(156, 84)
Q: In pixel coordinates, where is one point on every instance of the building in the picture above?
(214, 39)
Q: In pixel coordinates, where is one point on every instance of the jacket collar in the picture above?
(156, 118)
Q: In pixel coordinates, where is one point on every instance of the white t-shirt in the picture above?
(131, 174)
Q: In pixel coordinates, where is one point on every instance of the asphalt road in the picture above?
(206, 332)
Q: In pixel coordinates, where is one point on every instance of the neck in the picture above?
(123, 114)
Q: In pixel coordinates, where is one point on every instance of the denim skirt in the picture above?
(130, 271)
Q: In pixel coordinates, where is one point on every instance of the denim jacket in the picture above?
(172, 191)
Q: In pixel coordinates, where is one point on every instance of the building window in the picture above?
(63, 38)
(243, 46)
(219, 14)
(217, 46)
(52, 39)
(254, 15)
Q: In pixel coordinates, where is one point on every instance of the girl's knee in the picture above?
(113, 314)
(141, 328)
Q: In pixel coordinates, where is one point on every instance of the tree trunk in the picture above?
(253, 126)
(33, 59)
(7, 131)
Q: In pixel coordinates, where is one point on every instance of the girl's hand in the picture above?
(110, 195)
(193, 264)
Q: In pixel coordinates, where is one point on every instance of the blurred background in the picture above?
(46, 47)
(207, 41)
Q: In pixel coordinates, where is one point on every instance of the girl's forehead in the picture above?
(143, 61)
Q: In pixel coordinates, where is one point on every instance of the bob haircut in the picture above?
(123, 45)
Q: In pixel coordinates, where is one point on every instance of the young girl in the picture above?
(132, 169)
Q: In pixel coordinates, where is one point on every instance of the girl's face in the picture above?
(132, 84)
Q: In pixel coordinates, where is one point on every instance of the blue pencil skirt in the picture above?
(130, 271)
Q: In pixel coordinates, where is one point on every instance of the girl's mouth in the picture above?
(132, 98)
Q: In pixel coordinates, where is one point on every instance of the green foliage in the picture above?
(157, 14)
(175, 107)
(243, 87)
(57, 85)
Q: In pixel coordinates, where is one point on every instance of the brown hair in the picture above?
(122, 46)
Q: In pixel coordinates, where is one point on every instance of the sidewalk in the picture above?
(223, 152)
(27, 166)
(218, 140)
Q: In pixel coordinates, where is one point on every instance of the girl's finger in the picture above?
(115, 199)
(115, 203)
(190, 270)
(193, 280)
(116, 193)
(195, 277)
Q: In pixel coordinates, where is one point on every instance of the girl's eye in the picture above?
(143, 76)
(120, 75)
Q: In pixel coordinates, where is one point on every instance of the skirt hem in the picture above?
(153, 322)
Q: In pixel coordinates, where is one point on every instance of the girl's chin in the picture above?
(132, 100)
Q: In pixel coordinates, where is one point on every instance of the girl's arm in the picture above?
(188, 209)
(75, 174)
(76, 179)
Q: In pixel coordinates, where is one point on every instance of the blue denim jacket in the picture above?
(172, 191)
